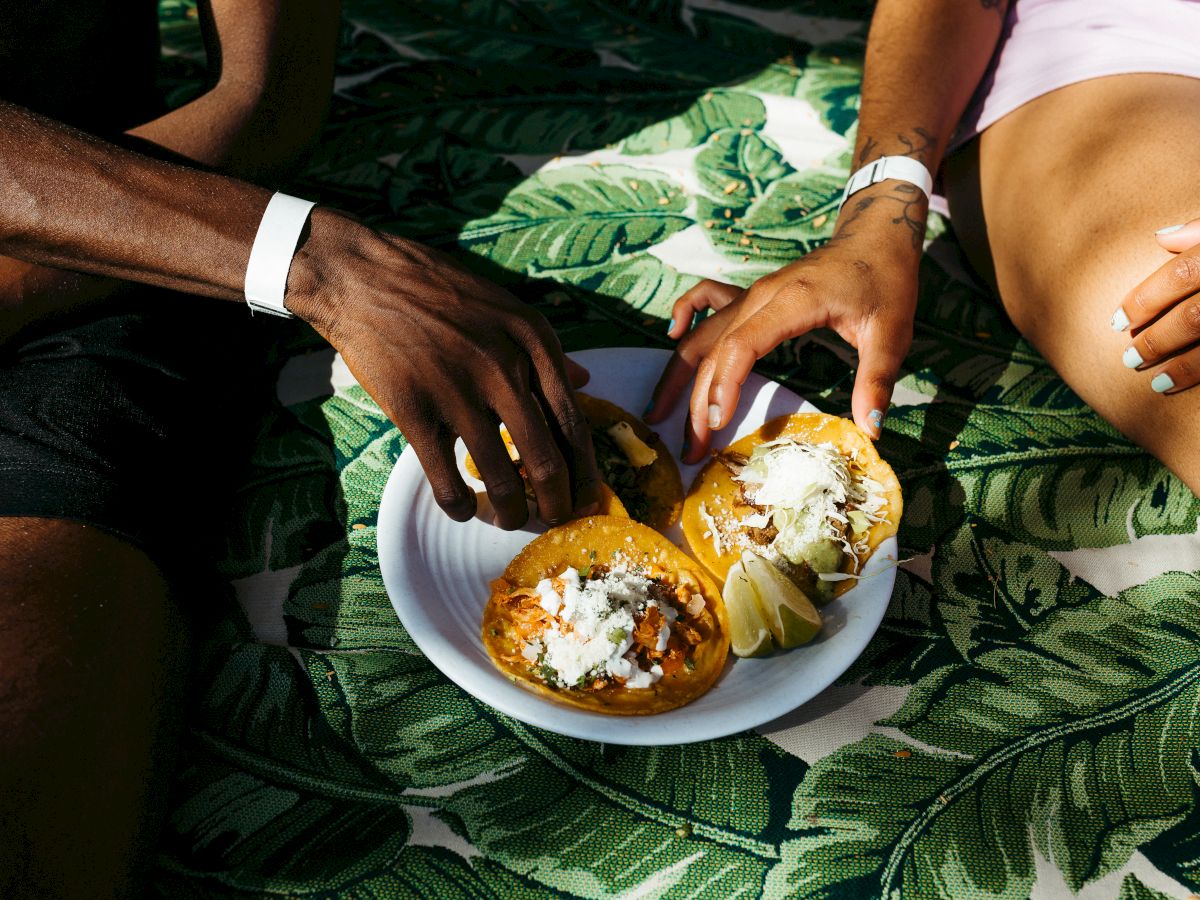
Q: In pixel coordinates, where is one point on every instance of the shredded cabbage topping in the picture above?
(814, 493)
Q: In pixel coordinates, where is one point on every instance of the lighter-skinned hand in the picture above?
(1163, 315)
(861, 285)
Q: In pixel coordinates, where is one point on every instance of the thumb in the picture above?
(1178, 238)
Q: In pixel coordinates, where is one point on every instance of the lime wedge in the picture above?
(788, 613)
(748, 633)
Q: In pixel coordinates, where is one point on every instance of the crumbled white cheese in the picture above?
(796, 476)
(593, 629)
(548, 598)
(640, 678)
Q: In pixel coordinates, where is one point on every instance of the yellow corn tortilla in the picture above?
(613, 541)
(715, 488)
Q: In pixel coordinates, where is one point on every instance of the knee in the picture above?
(82, 613)
(88, 696)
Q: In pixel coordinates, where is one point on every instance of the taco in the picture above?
(808, 492)
(607, 615)
(633, 461)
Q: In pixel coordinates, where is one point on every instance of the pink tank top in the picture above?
(1049, 44)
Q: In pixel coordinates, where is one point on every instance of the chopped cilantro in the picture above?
(617, 635)
(689, 664)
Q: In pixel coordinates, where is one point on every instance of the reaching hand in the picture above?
(1164, 315)
(860, 285)
(448, 354)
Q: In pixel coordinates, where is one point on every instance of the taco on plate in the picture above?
(608, 615)
(634, 464)
(807, 492)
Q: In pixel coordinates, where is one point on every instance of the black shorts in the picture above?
(136, 417)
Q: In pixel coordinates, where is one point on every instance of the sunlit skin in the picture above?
(1055, 206)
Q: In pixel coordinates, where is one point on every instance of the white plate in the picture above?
(437, 572)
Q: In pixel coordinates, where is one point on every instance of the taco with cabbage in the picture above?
(807, 492)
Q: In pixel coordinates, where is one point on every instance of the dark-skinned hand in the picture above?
(446, 354)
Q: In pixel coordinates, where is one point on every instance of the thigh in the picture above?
(90, 695)
(1058, 203)
(134, 418)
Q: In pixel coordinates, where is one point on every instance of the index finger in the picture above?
(682, 365)
(790, 314)
(708, 294)
(1171, 282)
(566, 421)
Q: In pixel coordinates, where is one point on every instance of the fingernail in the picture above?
(646, 411)
(1131, 358)
(687, 445)
(1162, 382)
(876, 420)
(714, 416)
(1169, 230)
(1120, 321)
(670, 326)
(590, 510)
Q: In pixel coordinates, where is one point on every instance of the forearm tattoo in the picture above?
(918, 144)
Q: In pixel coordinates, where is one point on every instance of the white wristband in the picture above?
(271, 256)
(902, 168)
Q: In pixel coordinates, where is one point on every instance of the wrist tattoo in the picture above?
(910, 197)
(918, 144)
(907, 196)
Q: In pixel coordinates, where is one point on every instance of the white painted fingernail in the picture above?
(1120, 321)
(1162, 382)
(1169, 230)
(714, 416)
(1131, 358)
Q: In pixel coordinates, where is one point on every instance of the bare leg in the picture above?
(92, 657)
(1059, 202)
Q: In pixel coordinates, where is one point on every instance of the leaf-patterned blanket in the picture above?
(1025, 722)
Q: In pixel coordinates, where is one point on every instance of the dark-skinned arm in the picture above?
(445, 353)
(924, 59)
(270, 71)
